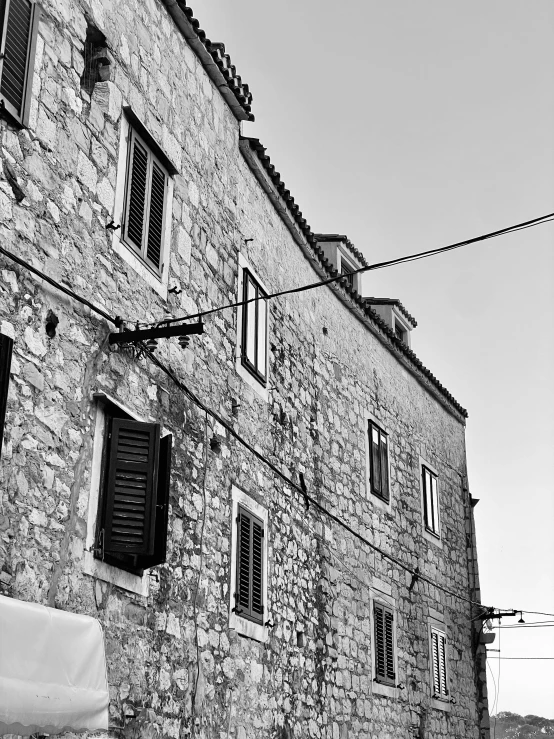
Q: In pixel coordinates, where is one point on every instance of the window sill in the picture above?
(158, 284)
(245, 627)
(433, 538)
(388, 691)
(115, 576)
(252, 381)
(441, 704)
(380, 503)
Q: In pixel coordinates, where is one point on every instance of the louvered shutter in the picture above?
(19, 33)
(137, 178)
(130, 496)
(162, 507)
(249, 574)
(438, 650)
(156, 215)
(383, 622)
(6, 347)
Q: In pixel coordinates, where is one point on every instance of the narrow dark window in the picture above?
(430, 501)
(438, 655)
(145, 202)
(254, 328)
(347, 270)
(6, 347)
(132, 526)
(383, 626)
(96, 59)
(19, 25)
(399, 331)
(378, 462)
(250, 560)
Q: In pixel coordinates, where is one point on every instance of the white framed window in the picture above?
(248, 607)
(378, 463)
(438, 662)
(384, 655)
(430, 500)
(253, 326)
(128, 502)
(347, 268)
(143, 204)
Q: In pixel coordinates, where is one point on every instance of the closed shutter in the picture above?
(384, 467)
(19, 31)
(162, 507)
(383, 622)
(147, 185)
(438, 650)
(375, 461)
(131, 487)
(249, 576)
(379, 462)
(6, 347)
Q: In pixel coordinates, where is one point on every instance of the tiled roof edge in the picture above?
(214, 59)
(393, 301)
(346, 241)
(329, 270)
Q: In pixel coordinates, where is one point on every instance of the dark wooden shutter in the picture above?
(249, 577)
(384, 466)
(162, 507)
(19, 32)
(156, 215)
(383, 622)
(130, 495)
(375, 460)
(136, 195)
(6, 347)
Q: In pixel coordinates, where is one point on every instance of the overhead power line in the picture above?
(309, 500)
(22, 263)
(495, 656)
(371, 267)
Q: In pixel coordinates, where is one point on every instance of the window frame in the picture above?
(109, 568)
(21, 117)
(239, 622)
(431, 523)
(437, 624)
(373, 427)
(253, 368)
(381, 596)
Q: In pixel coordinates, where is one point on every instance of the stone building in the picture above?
(270, 519)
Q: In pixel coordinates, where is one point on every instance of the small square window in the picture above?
(430, 501)
(378, 462)
(19, 24)
(254, 328)
(384, 646)
(146, 195)
(439, 666)
(131, 530)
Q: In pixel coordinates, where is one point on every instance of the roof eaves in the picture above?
(307, 239)
(214, 59)
(346, 241)
(397, 303)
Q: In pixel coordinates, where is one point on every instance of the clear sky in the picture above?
(407, 126)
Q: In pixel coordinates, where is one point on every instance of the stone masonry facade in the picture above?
(175, 666)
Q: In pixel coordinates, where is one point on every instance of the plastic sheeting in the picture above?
(52, 670)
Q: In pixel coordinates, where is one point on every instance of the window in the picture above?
(97, 59)
(399, 331)
(254, 328)
(146, 188)
(430, 501)
(131, 531)
(378, 462)
(6, 347)
(346, 270)
(249, 576)
(384, 658)
(17, 56)
(438, 660)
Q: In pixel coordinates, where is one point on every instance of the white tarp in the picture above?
(52, 670)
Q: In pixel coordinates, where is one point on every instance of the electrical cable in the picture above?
(307, 498)
(371, 267)
(527, 626)
(22, 263)
(538, 613)
(494, 656)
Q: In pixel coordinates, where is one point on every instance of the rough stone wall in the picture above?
(321, 386)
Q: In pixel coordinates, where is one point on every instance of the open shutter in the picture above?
(250, 561)
(389, 645)
(384, 467)
(6, 347)
(162, 506)
(131, 486)
(379, 629)
(137, 178)
(257, 569)
(19, 33)
(156, 215)
(442, 665)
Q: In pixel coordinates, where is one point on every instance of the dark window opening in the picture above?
(400, 332)
(378, 462)
(6, 348)
(250, 558)
(347, 271)
(430, 501)
(131, 530)
(254, 328)
(97, 61)
(383, 628)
